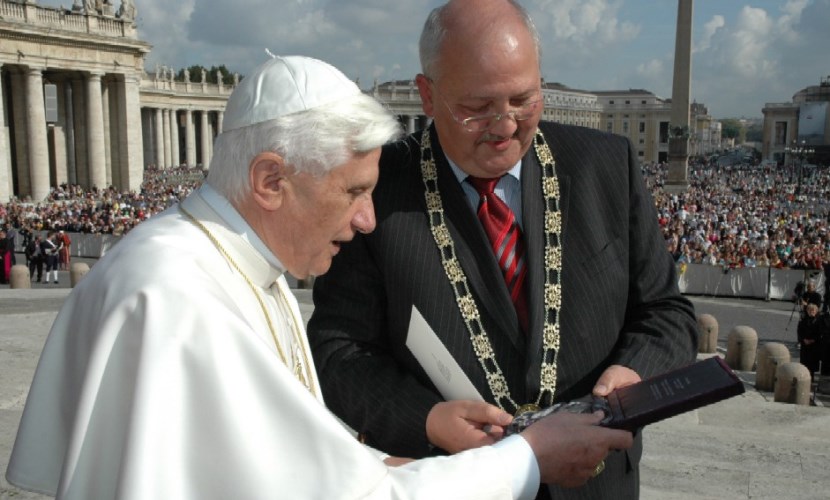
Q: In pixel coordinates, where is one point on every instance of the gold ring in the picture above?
(599, 468)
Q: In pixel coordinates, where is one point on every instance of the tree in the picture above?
(732, 128)
(755, 132)
(227, 77)
(196, 74)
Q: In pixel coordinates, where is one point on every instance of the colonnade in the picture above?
(65, 126)
(176, 136)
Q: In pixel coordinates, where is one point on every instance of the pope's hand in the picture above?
(569, 446)
(460, 425)
(397, 461)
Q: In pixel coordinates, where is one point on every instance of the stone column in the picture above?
(69, 113)
(679, 126)
(6, 186)
(190, 138)
(211, 135)
(95, 132)
(410, 124)
(131, 158)
(58, 138)
(20, 167)
(81, 141)
(205, 129)
(220, 122)
(174, 138)
(107, 98)
(147, 132)
(36, 130)
(165, 124)
(159, 143)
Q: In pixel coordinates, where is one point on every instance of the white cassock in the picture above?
(161, 379)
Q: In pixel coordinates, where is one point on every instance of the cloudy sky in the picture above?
(746, 52)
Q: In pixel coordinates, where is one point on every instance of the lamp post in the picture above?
(799, 150)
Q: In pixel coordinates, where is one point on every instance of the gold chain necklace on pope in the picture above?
(464, 298)
(302, 369)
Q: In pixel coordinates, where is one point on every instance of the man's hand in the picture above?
(569, 446)
(460, 425)
(614, 377)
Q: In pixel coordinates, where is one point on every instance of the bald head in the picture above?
(465, 28)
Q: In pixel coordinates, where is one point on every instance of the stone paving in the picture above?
(748, 447)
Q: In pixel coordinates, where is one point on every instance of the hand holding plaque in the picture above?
(653, 399)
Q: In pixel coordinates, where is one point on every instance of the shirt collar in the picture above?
(254, 258)
(461, 175)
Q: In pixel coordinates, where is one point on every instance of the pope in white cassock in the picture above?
(179, 367)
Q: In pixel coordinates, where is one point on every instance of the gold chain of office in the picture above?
(466, 302)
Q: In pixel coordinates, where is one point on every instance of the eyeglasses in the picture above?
(484, 122)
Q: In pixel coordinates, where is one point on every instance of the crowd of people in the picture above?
(735, 216)
(74, 209)
(746, 216)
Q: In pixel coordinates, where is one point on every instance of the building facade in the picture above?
(78, 107)
(803, 123)
(638, 115)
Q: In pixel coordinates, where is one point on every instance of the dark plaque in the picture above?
(654, 399)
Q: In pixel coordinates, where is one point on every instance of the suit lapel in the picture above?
(473, 251)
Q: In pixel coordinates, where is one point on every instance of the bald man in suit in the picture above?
(596, 306)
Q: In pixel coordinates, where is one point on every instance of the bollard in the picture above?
(740, 348)
(792, 384)
(19, 277)
(77, 271)
(770, 356)
(707, 334)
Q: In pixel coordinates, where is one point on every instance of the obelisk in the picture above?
(679, 128)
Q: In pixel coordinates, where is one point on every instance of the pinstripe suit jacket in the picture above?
(620, 303)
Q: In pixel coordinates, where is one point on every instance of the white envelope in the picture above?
(437, 361)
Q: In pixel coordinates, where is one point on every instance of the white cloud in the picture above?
(580, 22)
(743, 56)
(652, 69)
(576, 33)
(709, 31)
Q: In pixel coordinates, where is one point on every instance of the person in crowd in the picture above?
(11, 242)
(5, 258)
(530, 248)
(810, 295)
(825, 265)
(203, 386)
(64, 249)
(49, 247)
(811, 329)
(34, 255)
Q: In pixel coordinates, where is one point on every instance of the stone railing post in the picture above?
(77, 271)
(19, 277)
(792, 384)
(770, 356)
(740, 350)
(707, 334)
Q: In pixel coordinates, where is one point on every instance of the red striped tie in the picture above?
(506, 240)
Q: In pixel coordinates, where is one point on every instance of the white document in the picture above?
(437, 361)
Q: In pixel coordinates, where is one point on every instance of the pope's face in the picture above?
(496, 75)
(323, 212)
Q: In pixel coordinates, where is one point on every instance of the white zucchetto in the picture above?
(282, 86)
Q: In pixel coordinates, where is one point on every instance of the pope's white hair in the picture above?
(313, 141)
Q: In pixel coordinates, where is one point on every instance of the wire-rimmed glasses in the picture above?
(484, 122)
